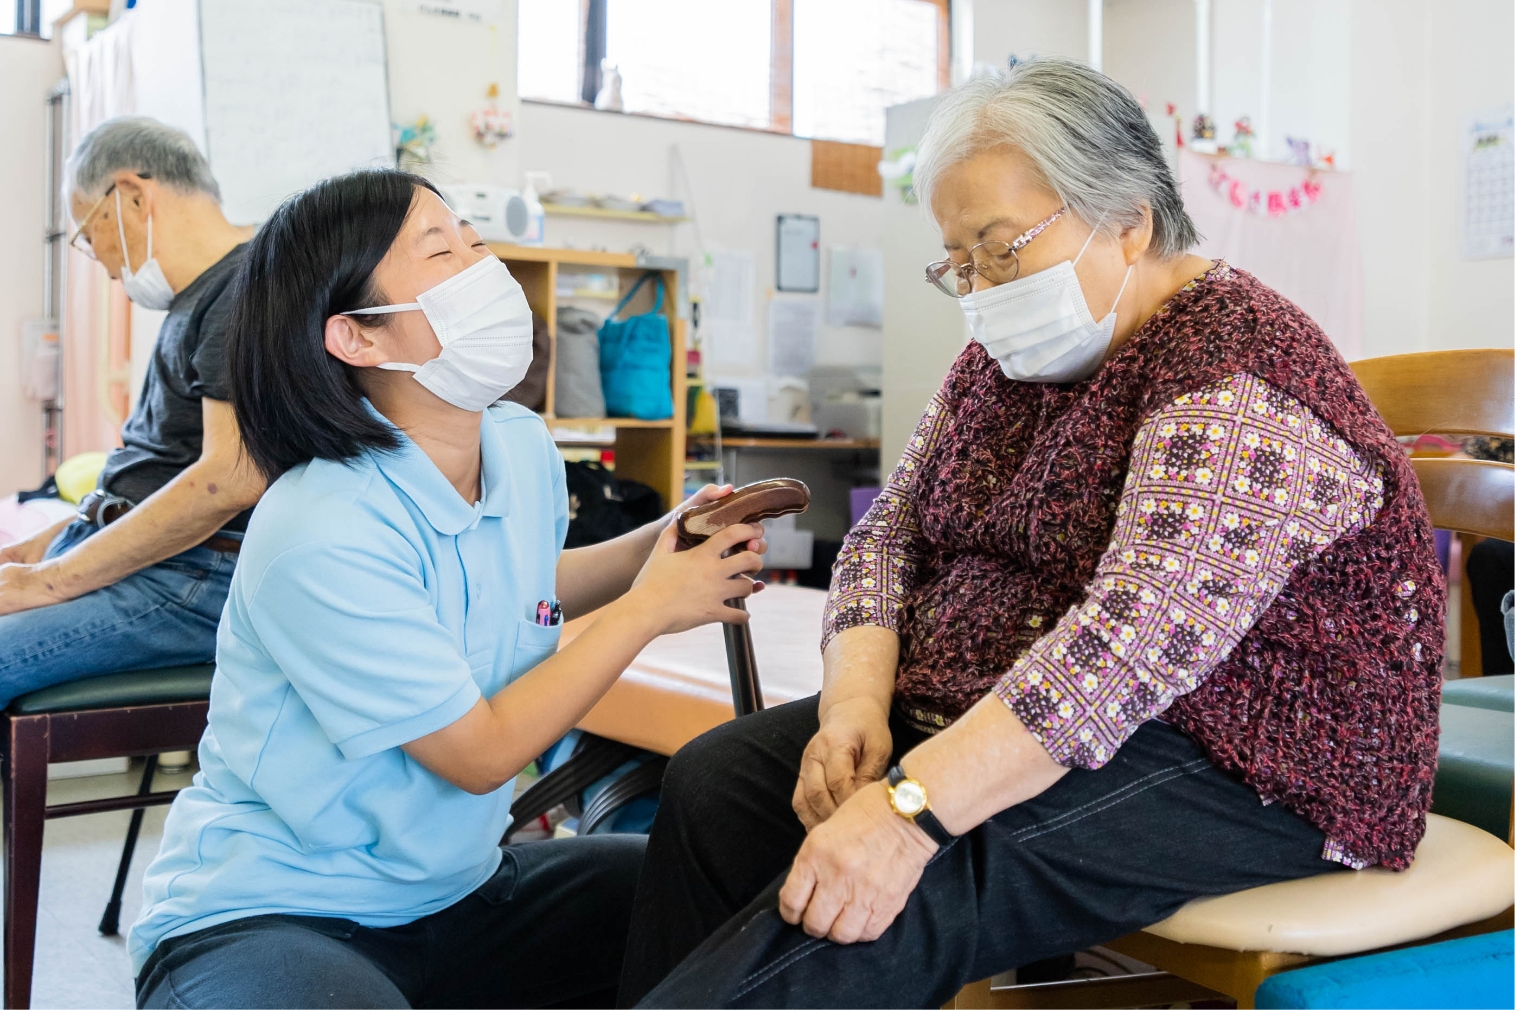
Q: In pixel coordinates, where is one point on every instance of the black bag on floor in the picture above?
(601, 507)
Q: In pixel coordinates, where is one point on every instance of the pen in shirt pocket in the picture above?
(549, 613)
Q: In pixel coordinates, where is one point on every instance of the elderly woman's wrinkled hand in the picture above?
(850, 750)
(856, 870)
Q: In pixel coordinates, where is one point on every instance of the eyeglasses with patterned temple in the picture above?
(995, 261)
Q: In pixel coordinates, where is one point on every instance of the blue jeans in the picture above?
(165, 615)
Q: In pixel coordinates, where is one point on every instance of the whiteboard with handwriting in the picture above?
(295, 91)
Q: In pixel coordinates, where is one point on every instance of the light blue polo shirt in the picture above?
(370, 606)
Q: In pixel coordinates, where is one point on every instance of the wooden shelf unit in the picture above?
(604, 214)
(651, 452)
(736, 442)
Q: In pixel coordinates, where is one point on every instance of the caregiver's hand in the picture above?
(856, 870)
(851, 750)
(706, 494)
(679, 590)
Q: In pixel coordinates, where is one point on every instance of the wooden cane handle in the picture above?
(767, 499)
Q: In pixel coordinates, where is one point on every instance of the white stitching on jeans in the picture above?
(1109, 800)
(757, 978)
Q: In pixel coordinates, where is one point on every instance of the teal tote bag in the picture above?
(636, 361)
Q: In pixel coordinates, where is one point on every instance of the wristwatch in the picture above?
(908, 799)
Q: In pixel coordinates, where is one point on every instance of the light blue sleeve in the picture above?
(356, 633)
(559, 497)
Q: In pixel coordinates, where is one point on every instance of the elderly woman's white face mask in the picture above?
(1039, 328)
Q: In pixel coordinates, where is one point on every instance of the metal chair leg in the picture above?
(111, 920)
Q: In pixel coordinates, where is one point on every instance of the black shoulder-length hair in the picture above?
(313, 259)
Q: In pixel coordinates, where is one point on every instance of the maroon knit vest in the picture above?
(1329, 704)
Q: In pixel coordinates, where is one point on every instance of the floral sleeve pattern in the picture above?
(880, 560)
(1229, 488)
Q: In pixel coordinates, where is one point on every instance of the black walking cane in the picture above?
(766, 499)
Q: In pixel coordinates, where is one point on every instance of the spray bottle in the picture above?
(536, 216)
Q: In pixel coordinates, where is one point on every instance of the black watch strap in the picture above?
(925, 820)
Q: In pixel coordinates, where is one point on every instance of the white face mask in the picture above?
(1039, 327)
(483, 323)
(146, 286)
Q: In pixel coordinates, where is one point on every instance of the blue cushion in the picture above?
(1476, 971)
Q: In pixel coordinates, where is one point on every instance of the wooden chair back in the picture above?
(1452, 393)
(1443, 392)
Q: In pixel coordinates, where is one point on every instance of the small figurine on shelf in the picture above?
(1178, 125)
(491, 124)
(609, 98)
(413, 143)
(1203, 136)
(1241, 143)
(1299, 152)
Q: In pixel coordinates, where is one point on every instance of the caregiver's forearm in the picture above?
(983, 763)
(590, 577)
(501, 734)
(860, 664)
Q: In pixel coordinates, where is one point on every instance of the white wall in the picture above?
(1386, 85)
(28, 70)
(738, 182)
(1310, 83)
(442, 68)
(1149, 47)
(1390, 101)
(1030, 27)
(1470, 303)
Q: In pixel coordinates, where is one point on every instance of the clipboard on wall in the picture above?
(798, 268)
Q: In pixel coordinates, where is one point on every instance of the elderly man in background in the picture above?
(139, 578)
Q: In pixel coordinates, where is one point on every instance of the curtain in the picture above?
(96, 332)
(1292, 228)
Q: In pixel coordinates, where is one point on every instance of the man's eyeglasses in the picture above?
(81, 241)
(997, 262)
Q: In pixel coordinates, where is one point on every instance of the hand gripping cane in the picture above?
(766, 499)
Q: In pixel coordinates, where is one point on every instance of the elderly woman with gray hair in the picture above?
(1149, 610)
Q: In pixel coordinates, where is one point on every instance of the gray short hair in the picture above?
(1086, 133)
(141, 145)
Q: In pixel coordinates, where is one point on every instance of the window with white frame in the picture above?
(825, 69)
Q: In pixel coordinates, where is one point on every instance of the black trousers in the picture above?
(1491, 574)
(1100, 854)
(548, 929)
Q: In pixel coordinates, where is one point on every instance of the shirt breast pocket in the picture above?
(534, 643)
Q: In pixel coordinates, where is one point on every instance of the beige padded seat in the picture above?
(1461, 874)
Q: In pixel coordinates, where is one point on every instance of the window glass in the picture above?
(549, 49)
(693, 59)
(855, 58)
(52, 10)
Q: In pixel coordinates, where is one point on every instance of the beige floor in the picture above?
(75, 965)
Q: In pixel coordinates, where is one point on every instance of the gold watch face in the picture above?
(909, 797)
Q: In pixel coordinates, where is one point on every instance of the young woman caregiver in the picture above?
(381, 677)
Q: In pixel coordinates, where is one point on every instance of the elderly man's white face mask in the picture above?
(1039, 328)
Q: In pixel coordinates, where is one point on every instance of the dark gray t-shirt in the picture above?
(164, 434)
